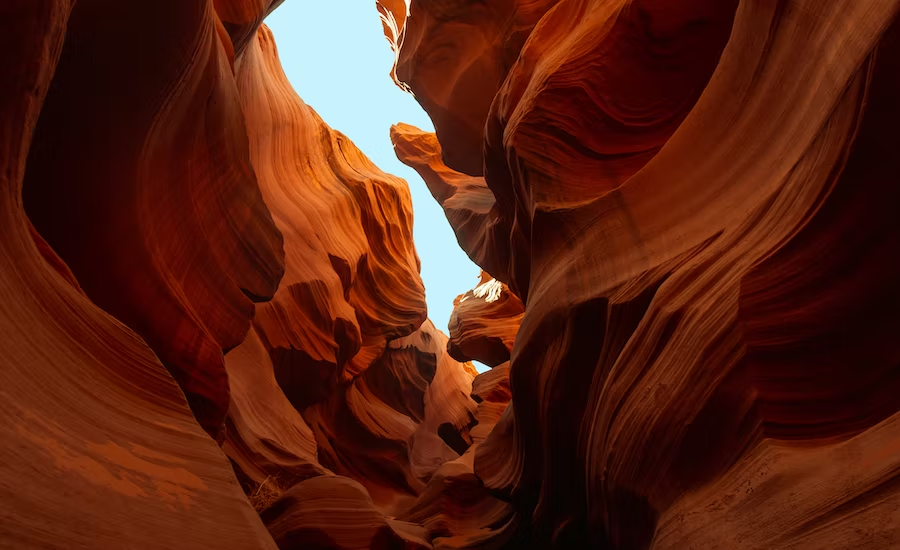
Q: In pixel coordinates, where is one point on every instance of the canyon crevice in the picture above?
(213, 327)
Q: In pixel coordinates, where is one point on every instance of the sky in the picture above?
(337, 59)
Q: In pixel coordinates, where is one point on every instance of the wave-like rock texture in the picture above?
(388, 432)
(467, 201)
(695, 201)
(454, 57)
(140, 178)
(173, 179)
(267, 439)
(99, 448)
(484, 323)
(241, 18)
(457, 508)
(336, 512)
(349, 289)
(341, 372)
(398, 422)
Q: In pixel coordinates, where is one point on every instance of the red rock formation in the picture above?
(241, 18)
(454, 57)
(484, 323)
(266, 437)
(691, 198)
(456, 508)
(343, 341)
(395, 425)
(348, 290)
(140, 178)
(98, 448)
(467, 201)
(158, 195)
(694, 200)
(389, 430)
(336, 512)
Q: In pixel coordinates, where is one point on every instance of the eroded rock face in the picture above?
(140, 179)
(392, 428)
(267, 438)
(467, 201)
(484, 323)
(689, 208)
(176, 181)
(348, 290)
(456, 508)
(342, 373)
(98, 448)
(691, 200)
(337, 512)
(241, 18)
(454, 57)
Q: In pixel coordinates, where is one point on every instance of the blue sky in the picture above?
(336, 57)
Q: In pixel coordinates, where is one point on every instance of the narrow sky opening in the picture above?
(337, 59)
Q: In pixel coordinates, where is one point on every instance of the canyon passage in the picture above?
(214, 330)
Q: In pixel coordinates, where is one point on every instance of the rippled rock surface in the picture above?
(139, 177)
(98, 448)
(214, 335)
(173, 179)
(484, 323)
(691, 200)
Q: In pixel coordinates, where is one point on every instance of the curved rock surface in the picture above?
(164, 171)
(241, 18)
(484, 323)
(341, 373)
(467, 201)
(454, 55)
(98, 448)
(689, 208)
(392, 427)
(267, 438)
(456, 509)
(336, 512)
(140, 179)
(691, 200)
(347, 290)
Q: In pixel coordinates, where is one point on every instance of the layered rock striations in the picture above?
(484, 323)
(242, 18)
(453, 56)
(686, 216)
(457, 508)
(467, 201)
(691, 199)
(342, 377)
(349, 289)
(140, 179)
(98, 447)
(337, 512)
(268, 441)
(172, 177)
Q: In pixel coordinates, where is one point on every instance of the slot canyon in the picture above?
(213, 327)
